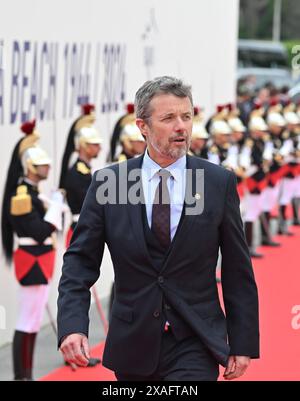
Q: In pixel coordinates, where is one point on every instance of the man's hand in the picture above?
(75, 349)
(236, 367)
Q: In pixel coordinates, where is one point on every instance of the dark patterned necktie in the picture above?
(161, 210)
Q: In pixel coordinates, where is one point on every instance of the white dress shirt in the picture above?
(176, 186)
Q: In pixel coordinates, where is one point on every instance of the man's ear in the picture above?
(142, 126)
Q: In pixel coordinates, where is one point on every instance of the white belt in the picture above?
(27, 241)
(75, 218)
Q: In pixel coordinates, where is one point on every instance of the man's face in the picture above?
(169, 129)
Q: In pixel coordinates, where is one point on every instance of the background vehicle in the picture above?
(266, 61)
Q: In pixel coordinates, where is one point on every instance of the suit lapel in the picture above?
(135, 210)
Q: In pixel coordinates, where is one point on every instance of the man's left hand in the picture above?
(236, 367)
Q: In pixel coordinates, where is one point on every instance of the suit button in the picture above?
(156, 313)
(160, 279)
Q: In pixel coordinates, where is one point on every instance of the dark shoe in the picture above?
(296, 223)
(268, 242)
(285, 232)
(256, 255)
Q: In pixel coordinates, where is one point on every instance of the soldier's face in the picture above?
(221, 139)
(198, 143)
(138, 147)
(169, 129)
(236, 136)
(275, 129)
(92, 150)
(43, 171)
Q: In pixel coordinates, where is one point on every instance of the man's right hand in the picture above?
(75, 349)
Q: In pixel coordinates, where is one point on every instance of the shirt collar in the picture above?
(152, 168)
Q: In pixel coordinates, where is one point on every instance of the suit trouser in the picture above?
(184, 360)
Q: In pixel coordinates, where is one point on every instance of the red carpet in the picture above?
(278, 280)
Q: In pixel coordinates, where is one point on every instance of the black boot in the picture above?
(266, 238)
(283, 224)
(295, 205)
(23, 349)
(249, 239)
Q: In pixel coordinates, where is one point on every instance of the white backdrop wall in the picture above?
(57, 54)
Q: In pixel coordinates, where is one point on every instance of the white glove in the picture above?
(54, 214)
(57, 196)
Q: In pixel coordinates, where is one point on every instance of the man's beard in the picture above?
(168, 151)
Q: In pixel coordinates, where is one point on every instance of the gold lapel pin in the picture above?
(197, 196)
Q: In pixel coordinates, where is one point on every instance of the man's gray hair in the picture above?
(159, 85)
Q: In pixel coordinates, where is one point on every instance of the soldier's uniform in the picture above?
(24, 215)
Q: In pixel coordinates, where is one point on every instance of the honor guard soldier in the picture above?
(288, 182)
(220, 138)
(200, 136)
(256, 172)
(238, 131)
(84, 142)
(293, 126)
(116, 147)
(24, 216)
(133, 142)
(270, 196)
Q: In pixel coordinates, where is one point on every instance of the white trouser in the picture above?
(287, 190)
(297, 187)
(32, 302)
(270, 197)
(253, 207)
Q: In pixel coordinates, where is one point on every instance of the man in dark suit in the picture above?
(164, 216)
